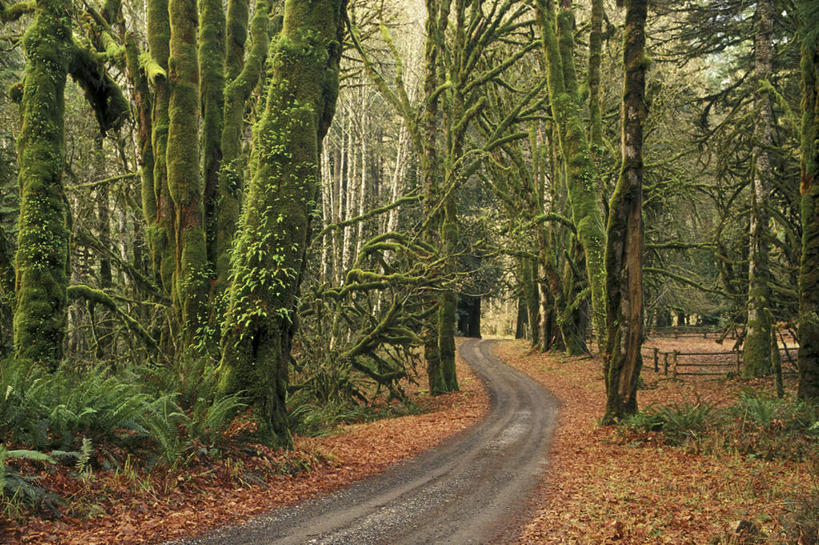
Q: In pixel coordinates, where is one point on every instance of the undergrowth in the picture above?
(756, 425)
(162, 415)
(79, 421)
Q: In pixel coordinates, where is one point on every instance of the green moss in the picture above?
(241, 81)
(190, 287)
(269, 252)
(809, 266)
(42, 243)
(211, 88)
(581, 172)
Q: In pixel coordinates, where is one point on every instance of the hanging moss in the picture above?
(269, 253)
(110, 106)
(42, 242)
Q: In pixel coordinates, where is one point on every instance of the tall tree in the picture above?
(242, 76)
(184, 175)
(274, 228)
(809, 270)
(624, 243)
(162, 224)
(42, 243)
(557, 33)
(757, 348)
(211, 40)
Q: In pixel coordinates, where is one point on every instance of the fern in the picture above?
(19, 454)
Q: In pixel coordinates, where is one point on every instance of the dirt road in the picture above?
(471, 489)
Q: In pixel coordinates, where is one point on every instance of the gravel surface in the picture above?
(472, 488)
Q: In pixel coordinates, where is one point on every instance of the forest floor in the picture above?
(126, 506)
(608, 485)
(604, 485)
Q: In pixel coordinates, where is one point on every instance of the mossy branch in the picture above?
(153, 70)
(687, 281)
(95, 296)
(411, 197)
(13, 12)
(110, 106)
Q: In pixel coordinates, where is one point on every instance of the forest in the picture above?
(232, 229)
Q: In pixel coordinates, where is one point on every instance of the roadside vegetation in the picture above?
(120, 486)
(704, 461)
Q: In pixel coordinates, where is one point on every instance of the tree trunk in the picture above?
(757, 349)
(437, 20)
(42, 240)
(809, 267)
(275, 225)
(242, 77)
(212, 100)
(530, 267)
(624, 248)
(184, 179)
(448, 303)
(587, 215)
(595, 50)
(161, 228)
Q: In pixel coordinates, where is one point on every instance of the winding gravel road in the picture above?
(472, 488)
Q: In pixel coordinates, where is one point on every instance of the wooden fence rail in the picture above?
(730, 361)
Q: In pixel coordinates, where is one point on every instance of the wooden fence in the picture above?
(705, 364)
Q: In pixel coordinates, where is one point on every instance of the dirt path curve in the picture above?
(470, 489)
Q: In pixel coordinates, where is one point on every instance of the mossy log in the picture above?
(269, 256)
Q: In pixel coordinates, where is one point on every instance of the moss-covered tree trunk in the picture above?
(161, 228)
(809, 268)
(274, 228)
(142, 98)
(757, 348)
(566, 106)
(528, 277)
(42, 241)
(448, 301)
(624, 248)
(595, 54)
(211, 95)
(182, 157)
(241, 77)
(437, 19)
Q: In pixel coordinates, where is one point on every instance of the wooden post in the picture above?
(739, 362)
(656, 360)
(665, 363)
(675, 363)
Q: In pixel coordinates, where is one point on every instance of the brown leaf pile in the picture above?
(137, 509)
(602, 489)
